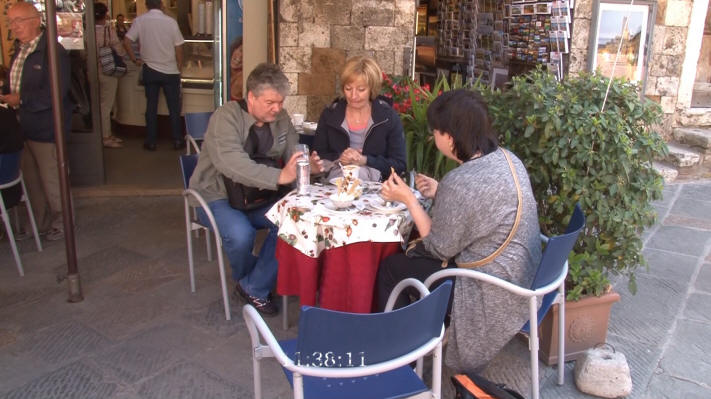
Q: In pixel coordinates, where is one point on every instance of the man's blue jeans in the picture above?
(256, 275)
(152, 82)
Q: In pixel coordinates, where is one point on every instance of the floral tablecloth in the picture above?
(311, 224)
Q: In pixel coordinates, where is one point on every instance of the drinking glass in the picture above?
(302, 148)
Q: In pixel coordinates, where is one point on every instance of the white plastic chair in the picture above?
(550, 276)
(351, 355)
(187, 166)
(10, 176)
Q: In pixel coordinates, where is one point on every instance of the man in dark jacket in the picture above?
(30, 94)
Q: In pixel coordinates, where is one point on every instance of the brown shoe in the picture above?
(265, 306)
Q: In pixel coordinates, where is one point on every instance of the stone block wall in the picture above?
(666, 57)
(316, 37)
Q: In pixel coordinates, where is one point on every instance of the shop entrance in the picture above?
(701, 96)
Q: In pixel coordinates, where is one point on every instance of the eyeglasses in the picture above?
(17, 20)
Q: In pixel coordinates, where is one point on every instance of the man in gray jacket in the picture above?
(262, 117)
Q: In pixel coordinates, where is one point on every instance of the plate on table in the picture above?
(344, 211)
(380, 206)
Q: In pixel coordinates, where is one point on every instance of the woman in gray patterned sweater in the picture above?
(473, 213)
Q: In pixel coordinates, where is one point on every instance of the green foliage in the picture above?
(575, 153)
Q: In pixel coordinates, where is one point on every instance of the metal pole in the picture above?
(75, 294)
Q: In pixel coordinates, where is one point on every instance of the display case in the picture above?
(198, 63)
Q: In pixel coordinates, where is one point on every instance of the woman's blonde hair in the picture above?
(367, 68)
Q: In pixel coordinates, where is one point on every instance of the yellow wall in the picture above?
(256, 14)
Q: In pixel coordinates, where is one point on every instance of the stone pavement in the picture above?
(140, 333)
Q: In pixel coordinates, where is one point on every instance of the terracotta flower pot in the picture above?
(585, 326)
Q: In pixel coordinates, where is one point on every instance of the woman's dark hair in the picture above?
(100, 10)
(463, 114)
(237, 43)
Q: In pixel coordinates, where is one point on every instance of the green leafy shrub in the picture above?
(575, 153)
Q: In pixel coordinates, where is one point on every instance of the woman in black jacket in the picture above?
(361, 128)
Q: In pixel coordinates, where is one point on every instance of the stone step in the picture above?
(668, 172)
(682, 156)
(694, 136)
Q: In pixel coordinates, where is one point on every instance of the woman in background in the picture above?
(106, 36)
(236, 70)
(362, 128)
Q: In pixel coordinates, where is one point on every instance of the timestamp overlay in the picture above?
(330, 359)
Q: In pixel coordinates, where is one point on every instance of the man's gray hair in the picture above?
(267, 76)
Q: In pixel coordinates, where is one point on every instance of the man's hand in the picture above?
(12, 100)
(316, 163)
(288, 173)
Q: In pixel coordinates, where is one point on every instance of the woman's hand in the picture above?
(395, 189)
(351, 156)
(426, 185)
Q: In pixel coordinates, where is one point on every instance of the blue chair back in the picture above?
(554, 257)
(196, 124)
(9, 166)
(372, 338)
(187, 167)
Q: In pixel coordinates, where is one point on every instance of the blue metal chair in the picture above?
(349, 355)
(195, 127)
(10, 176)
(549, 282)
(187, 166)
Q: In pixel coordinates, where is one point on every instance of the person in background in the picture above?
(236, 70)
(106, 36)
(30, 94)
(473, 212)
(162, 58)
(120, 27)
(259, 118)
(362, 128)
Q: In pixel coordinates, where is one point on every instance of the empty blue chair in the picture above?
(548, 282)
(195, 127)
(10, 176)
(350, 355)
(187, 166)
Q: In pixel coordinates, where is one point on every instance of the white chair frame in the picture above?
(191, 225)
(8, 227)
(270, 348)
(532, 295)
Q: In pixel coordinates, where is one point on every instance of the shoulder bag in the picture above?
(246, 198)
(416, 248)
(111, 63)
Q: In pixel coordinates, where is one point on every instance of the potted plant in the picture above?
(576, 152)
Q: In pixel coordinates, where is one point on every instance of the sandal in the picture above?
(116, 139)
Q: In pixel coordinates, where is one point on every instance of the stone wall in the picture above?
(666, 57)
(316, 37)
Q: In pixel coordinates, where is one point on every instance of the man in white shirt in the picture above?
(162, 58)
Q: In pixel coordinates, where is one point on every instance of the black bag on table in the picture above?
(246, 198)
(473, 386)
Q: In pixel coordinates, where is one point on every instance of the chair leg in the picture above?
(298, 386)
(257, 371)
(188, 229)
(11, 238)
(561, 334)
(437, 372)
(30, 215)
(223, 280)
(284, 312)
(533, 345)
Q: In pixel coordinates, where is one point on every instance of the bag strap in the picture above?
(519, 195)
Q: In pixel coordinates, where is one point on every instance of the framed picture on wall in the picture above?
(624, 28)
